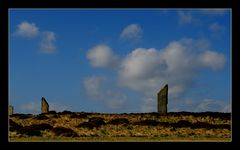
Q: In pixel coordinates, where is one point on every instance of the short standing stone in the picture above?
(44, 106)
(163, 100)
(10, 109)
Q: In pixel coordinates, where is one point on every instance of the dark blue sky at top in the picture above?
(60, 74)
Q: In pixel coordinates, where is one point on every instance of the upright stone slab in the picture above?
(163, 100)
(44, 106)
(10, 110)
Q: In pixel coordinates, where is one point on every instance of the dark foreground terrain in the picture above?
(83, 126)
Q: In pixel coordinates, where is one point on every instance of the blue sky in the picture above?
(116, 60)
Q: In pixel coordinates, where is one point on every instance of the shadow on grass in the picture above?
(183, 124)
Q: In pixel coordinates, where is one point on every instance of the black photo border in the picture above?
(6, 4)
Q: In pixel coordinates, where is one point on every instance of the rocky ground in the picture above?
(145, 126)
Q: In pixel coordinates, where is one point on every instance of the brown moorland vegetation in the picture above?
(83, 126)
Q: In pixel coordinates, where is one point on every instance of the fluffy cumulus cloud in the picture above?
(132, 31)
(96, 89)
(47, 43)
(26, 29)
(178, 64)
(147, 70)
(212, 60)
(102, 56)
(30, 30)
(139, 70)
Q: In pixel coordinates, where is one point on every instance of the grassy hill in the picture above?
(83, 126)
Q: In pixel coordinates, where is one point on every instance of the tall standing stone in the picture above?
(44, 106)
(10, 110)
(163, 100)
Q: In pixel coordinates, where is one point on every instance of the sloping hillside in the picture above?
(83, 126)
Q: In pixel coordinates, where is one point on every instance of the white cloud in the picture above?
(216, 27)
(132, 31)
(30, 107)
(30, 30)
(114, 99)
(139, 70)
(226, 108)
(199, 105)
(92, 86)
(149, 105)
(47, 43)
(213, 105)
(188, 17)
(58, 107)
(214, 12)
(141, 62)
(95, 89)
(34, 107)
(213, 60)
(148, 70)
(26, 29)
(184, 17)
(102, 56)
